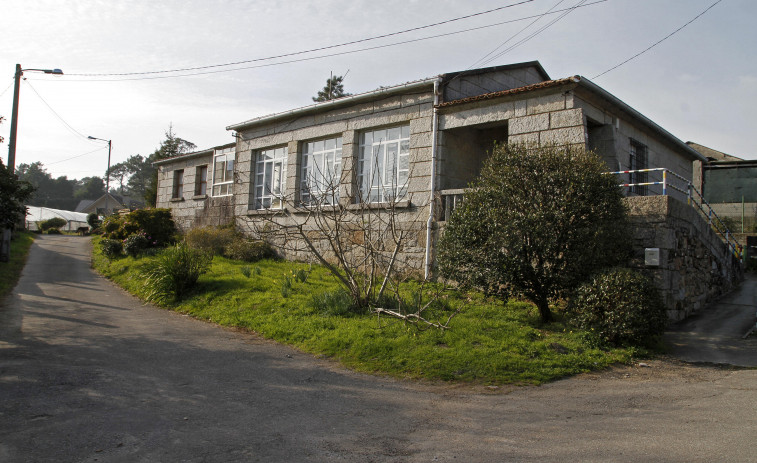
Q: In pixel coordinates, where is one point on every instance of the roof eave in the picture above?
(194, 154)
(591, 86)
(327, 105)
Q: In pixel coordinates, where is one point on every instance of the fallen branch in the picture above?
(415, 318)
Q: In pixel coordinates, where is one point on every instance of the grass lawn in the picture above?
(10, 271)
(488, 342)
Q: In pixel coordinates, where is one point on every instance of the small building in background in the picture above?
(115, 203)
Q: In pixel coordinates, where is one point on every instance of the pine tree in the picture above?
(333, 89)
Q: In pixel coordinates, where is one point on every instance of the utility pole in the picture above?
(5, 243)
(107, 172)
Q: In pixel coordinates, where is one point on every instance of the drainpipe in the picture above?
(432, 198)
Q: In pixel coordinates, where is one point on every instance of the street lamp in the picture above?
(5, 242)
(107, 172)
(14, 113)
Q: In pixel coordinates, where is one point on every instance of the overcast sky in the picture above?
(700, 84)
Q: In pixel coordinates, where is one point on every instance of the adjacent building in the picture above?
(415, 145)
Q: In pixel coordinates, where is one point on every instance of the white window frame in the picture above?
(321, 171)
(223, 183)
(382, 177)
(269, 184)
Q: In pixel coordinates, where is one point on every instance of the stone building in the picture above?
(415, 145)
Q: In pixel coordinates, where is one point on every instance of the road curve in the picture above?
(88, 373)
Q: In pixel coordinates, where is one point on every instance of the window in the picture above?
(383, 164)
(321, 171)
(201, 181)
(270, 178)
(178, 184)
(638, 161)
(223, 172)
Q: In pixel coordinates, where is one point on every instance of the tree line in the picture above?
(135, 178)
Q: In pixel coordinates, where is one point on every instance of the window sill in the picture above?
(310, 209)
(254, 212)
(199, 197)
(176, 200)
(372, 206)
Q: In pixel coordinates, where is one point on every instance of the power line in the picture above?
(367, 39)
(7, 88)
(327, 55)
(77, 156)
(535, 33)
(73, 130)
(658, 42)
(513, 36)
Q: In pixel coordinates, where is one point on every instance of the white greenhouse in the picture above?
(75, 221)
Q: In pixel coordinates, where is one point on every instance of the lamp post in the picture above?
(107, 172)
(14, 113)
(5, 243)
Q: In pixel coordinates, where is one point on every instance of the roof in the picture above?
(83, 204)
(512, 91)
(381, 92)
(194, 154)
(505, 67)
(584, 83)
(713, 154)
(338, 102)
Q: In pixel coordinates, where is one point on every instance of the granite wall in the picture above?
(695, 264)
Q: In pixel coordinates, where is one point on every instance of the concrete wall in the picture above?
(695, 265)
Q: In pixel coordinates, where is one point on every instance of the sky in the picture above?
(700, 83)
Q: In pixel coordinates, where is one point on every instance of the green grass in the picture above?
(10, 271)
(489, 342)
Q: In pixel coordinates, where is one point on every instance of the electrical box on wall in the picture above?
(652, 257)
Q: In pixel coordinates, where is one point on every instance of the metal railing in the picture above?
(669, 183)
(672, 181)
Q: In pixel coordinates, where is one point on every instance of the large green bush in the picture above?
(621, 306)
(538, 221)
(210, 239)
(53, 223)
(174, 272)
(93, 220)
(157, 225)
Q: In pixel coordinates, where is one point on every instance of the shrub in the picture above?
(621, 306)
(210, 239)
(55, 222)
(93, 220)
(157, 224)
(249, 250)
(111, 248)
(537, 223)
(174, 272)
(53, 231)
(111, 225)
(135, 244)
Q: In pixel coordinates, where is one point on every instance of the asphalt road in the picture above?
(88, 373)
(716, 333)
